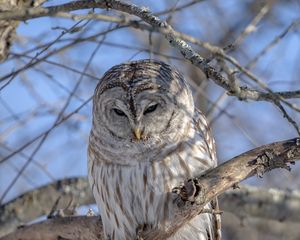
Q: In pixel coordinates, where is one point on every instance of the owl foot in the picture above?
(140, 229)
(90, 213)
(69, 210)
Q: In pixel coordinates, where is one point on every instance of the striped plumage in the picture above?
(132, 175)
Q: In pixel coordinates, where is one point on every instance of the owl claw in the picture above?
(140, 229)
(90, 213)
(69, 210)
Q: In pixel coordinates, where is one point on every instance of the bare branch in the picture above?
(252, 25)
(271, 203)
(215, 182)
(176, 39)
(66, 117)
(79, 228)
(39, 202)
(211, 183)
(8, 27)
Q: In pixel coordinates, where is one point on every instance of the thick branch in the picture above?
(67, 228)
(245, 202)
(271, 204)
(39, 202)
(214, 182)
(258, 228)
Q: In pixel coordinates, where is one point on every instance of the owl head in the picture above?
(140, 101)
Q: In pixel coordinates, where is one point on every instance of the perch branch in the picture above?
(190, 198)
(247, 201)
(197, 192)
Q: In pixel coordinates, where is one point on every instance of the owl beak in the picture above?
(137, 133)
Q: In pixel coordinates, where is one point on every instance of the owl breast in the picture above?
(129, 196)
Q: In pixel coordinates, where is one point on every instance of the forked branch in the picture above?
(189, 199)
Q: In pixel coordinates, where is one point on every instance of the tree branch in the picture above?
(39, 202)
(271, 204)
(176, 39)
(8, 26)
(67, 228)
(195, 193)
(247, 201)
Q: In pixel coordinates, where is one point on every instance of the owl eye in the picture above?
(150, 109)
(119, 112)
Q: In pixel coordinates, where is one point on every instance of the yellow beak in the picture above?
(137, 133)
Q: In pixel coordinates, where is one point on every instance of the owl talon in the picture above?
(69, 210)
(139, 238)
(90, 213)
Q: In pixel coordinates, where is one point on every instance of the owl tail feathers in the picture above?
(217, 218)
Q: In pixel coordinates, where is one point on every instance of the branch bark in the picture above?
(67, 228)
(8, 26)
(39, 202)
(190, 198)
(197, 192)
(266, 204)
(176, 39)
(244, 202)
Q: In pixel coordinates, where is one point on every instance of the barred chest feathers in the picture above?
(130, 196)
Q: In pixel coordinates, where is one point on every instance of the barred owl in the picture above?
(146, 138)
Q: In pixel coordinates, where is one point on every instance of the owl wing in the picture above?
(202, 127)
(200, 156)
